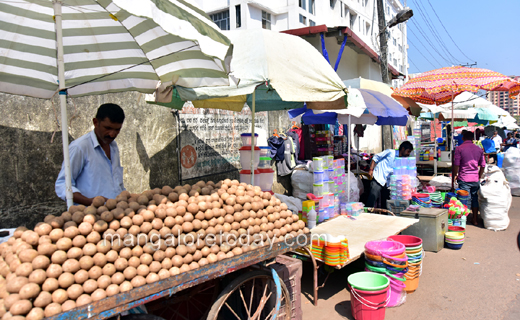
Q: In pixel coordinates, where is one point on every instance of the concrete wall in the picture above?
(32, 152)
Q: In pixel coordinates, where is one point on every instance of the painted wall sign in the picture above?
(210, 139)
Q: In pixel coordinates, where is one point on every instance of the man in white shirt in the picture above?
(497, 140)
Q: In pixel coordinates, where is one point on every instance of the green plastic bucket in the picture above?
(368, 281)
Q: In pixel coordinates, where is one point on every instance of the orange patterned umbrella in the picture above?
(439, 86)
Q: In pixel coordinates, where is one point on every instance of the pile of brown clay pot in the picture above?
(113, 246)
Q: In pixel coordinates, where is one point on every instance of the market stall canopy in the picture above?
(467, 106)
(109, 46)
(362, 83)
(439, 86)
(283, 70)
(368, 107)
(508, 121)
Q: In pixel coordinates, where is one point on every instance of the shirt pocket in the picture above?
(118, 177)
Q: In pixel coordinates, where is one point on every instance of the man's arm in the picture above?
(81, 199)
(371, 170)
(455, 172)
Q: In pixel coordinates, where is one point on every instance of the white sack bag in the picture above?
(494, 199)
(511, 167)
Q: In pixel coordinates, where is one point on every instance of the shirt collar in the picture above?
(95, 141)
(467, 141)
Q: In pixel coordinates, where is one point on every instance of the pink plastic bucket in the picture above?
(396, 292)
(391, 248)
(368, 305)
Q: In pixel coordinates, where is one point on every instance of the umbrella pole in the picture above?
(63, 103)
(357, 146)
(452, 140)
(435, 150)
(349, 147)
(253, 140)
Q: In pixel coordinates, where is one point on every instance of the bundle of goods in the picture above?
(333, 251)
(321, 139)
(511, 167)
(415, 254)
(340, 145)
(389, 259)
(370, 295)
(113, 246)
(421, 199)
(494, 198)
(454, 240)
(457, 212)
(400, 187)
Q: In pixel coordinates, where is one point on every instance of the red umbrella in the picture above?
(440, 86)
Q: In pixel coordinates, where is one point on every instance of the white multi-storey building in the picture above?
(357, 19)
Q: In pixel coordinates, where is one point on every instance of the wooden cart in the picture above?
(266, 296)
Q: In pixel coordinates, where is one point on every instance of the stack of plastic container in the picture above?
(330, 186)
(248, 143)
(266, 173)
(415, 254)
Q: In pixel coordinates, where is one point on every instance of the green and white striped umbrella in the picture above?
(109, 46)
(86, 47)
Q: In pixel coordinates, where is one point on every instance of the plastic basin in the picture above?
(391, 248)
(454, 246)
(409, 241)
(368, 281)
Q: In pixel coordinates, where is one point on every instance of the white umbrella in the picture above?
(467, 106)
(84, 47)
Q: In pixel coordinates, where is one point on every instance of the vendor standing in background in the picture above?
(94, 159)
(497, 140)
(468, 166)
(381, 168)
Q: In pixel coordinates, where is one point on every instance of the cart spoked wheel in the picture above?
(189, 304)
(255, 295)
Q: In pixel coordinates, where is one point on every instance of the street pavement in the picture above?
(479, 281)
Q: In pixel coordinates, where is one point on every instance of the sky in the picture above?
(483, 31)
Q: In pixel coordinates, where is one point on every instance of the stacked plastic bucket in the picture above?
(454, 239)
(415, 254)
(389, 259)
(369, 295)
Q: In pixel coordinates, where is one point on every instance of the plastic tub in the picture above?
(245, 176)
(246, 139)
(265, 163)
(457, 229)
(391, 248)
(411, 284)
(368, 281)
(317, 164)
(454, 235)
(266, 179)
(245, 157)
(453, 246)
(407, 241)
(319, 177)
(317, 189)
(265, 152)
(368, 305)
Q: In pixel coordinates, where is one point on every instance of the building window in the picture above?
(352, 20)
(312, 7)
(400, 48)
(312, 23)
(303, 4)
(395, 62)
(266, 20)
(238, 15)
(394, 41)
(303, 19)
(332, 3)
(221, 19)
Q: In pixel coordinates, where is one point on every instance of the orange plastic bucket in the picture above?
(411, 284)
